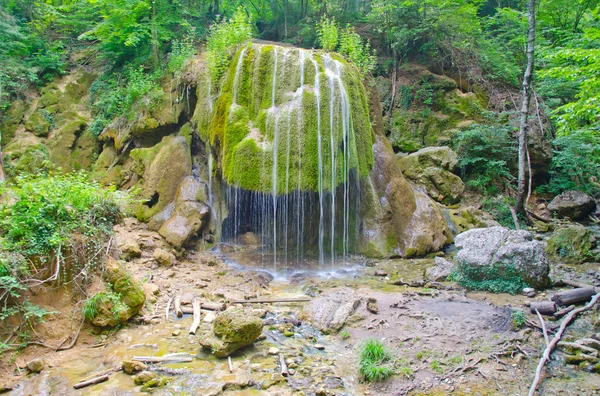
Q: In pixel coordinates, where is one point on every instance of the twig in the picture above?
(543, 326)
(515, 219)
(555, 340)
(229, 364)
(168, 309)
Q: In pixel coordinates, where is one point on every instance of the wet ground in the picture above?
(444, 340)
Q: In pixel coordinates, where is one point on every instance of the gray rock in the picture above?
(189, 218)
(575, 205)
(144, 377)
(329, 312)
(440, 271)
(130, 249)
(163, 257)
(232, 330)
(36, 366)
(502, 247)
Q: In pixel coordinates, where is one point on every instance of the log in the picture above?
(230, 364)
(197, 316)
(183, 358)
(178, 306)
(547, 308)
(284, 369)
(280, 300)
(93, 381)
(168, 309)
(573, 296)
(590, 342)
(563, 326)
(564, 311)
(213, 306)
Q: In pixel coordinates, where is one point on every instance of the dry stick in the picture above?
(284, 369)
(530, 176)
(168, 309)
(178, 306)
(197, 315)
(281, 300)
(543, 326)
(563, 312)
(229, 364)
(515, 219)
(555, 340)
(93, 381)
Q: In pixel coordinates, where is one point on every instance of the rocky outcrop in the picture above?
(575, 205)
(329, 312)
(232, 330)
(466, 218)
(432, 168)
(573, 244)
(440, 271)
(496, 253)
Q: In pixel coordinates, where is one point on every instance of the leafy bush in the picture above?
(518, 319)
(484, 153)
(91, 306)
(495, 279)
(375, 360)
(499, 207)
(224, 39)
(357, 51)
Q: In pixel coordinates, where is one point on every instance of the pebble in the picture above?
(320, 347)
(380, 272)
(273, 351)
(176, 333)
(529, 292)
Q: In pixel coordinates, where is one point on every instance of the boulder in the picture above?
(440, 271)
(573, 244)
(432, 168)
(191, 189)
(131, 367)
(575, 205)
(130, 249)
(232, 330)
(36, 366)
(498, 253)
(131, 297)
(189, 218)
(144, 377)
(329, 312)
(163, 257)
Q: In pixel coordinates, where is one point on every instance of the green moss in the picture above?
(573, 244)
(498, 278)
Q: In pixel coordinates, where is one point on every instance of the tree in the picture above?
(525, 98)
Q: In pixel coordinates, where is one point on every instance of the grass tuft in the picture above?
(375, 362)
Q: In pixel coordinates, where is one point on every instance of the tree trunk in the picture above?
(2, 174)
(573, 296)
(526, 96)
(155, 43)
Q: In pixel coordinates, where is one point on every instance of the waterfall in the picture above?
(291, 179)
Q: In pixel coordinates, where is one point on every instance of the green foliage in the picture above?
(328, 33)
(224, 39)
(92, 304)
(484, 153)
(345, 335)
(495, 279)
(499, 207)
(518, 319)
(375, 360)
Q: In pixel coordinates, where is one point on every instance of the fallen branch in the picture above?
(543, 326)
(555, 340)
(229, 364)
(178, 306)
(563, 312)
(280, 300)
(197, 316)
(183, 358)
(93, 381)
(573, 296)
(168, 309)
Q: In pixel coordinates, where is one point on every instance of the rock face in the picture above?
(131, 297)
(504, 250)
(572, 204)
(329, 312)
(572, 244)
(432, 168)
(233, 329)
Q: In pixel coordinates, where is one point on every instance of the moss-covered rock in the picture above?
(11, 120)
(463, 219)
(40, 122)
(232, 329)
(62, 143)
(573, 244)
(26, 157)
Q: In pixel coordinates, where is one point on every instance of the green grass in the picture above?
(375, 362)
(518, 319)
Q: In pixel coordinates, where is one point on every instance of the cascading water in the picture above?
(290, 158)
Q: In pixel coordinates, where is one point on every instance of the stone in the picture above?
(329, 312)
(529, 292)
(132, 367)
(176, 333)
(144, 377)
(503, 248)
(232, 329)
(131, 296)
(161, 217)
(40, 122)
(575, 205)
(440, 271)
(432, 167)
(189, 218)
(130, 249)
(250, 239)
(273, 351)
(381, 272)
(191, 189)
(209, 317)
(36, 366)
(372, 305)
(573, 244)
(320, 347)
(164, 258)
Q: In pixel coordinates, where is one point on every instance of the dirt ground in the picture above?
(443, 341)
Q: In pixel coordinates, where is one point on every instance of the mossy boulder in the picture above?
(21, 157)
(432, 168)
(573, 244)
(466, 218)
(162, 168)
(62, 143)
(40, 122)
(11, 120)
(106, 169)
(131, 297)
(185, 223)
(232, 330)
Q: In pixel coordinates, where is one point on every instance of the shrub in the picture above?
(375, 360)
(484, 153)
(328, 33)
(518, 319)
(495, 279)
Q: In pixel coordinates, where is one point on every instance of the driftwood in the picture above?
(546, 355)
(178, 306)
(197, 316)
(280, 300)
(577, 347)
(564, 311)
(172, 358)
(544, 307)
(213, 306)
(284, 369)
(573, 296)
(229, 364)
(93, 381)
(168, 309)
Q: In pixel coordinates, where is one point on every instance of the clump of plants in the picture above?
(496, 279)
(375, 361)
(518, 319)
